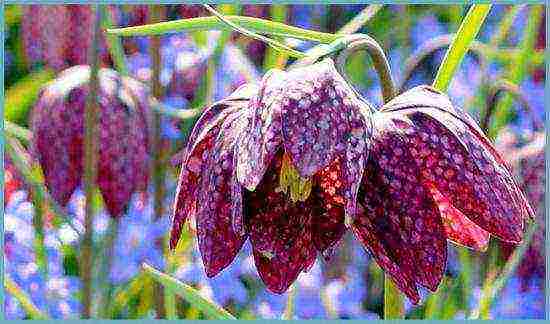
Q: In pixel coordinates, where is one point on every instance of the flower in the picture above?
(293, 163)
(59, 35)
(58, 131)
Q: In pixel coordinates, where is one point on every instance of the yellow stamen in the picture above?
(290, 180)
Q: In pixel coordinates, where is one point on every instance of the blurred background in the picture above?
(41, 250)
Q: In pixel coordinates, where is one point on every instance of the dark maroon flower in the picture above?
(58, 35)
(315, 159)
(58, 131)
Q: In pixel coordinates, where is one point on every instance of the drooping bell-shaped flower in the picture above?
(293, 163)
(431, 176)
(58, 132)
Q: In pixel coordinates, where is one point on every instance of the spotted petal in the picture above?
(58, 129)
(407, 202)
(458, 228)
(201, 142)
(280, 233)
(219, 199)
(263, 138)
(459, 161)
(323, 119)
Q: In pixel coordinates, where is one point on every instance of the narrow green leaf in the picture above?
(360, 19)
(208, 307)
(455, 54)
(21, 96)
(26, 303)
(279, 46)
(113, 42)
(209, 23)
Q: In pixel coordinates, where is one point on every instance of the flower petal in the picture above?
(58, 131)
(280, 233)
(261, 142)
(328, 224)
(461, 163)
(116, 174)
(408, 203)
(201, 141)
(322, 119)
(459, 228)
(381, 234)
(216, 204)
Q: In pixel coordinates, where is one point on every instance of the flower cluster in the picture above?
(292, 163)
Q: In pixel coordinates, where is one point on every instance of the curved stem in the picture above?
(493, 287)
(501, 87)
(211, 23)
(429, 48)
(364, 42)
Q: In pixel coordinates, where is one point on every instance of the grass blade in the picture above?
(466, 34)
(210, 23)
(26, 303)
(208, 307)
(518, 68)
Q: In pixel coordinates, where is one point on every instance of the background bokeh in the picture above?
(41, 252)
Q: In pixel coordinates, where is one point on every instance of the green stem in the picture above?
(502, 87)
(113, 42)
(26, 303)
(272, 58)
(461, 43)
(213, 23)
(518, 68)
(350, 28)
(288, 313)
(393, 301)
(158, 171)
(108, 254)
(360, 19)
(492, 288)
(91, 118)
(379, 60)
